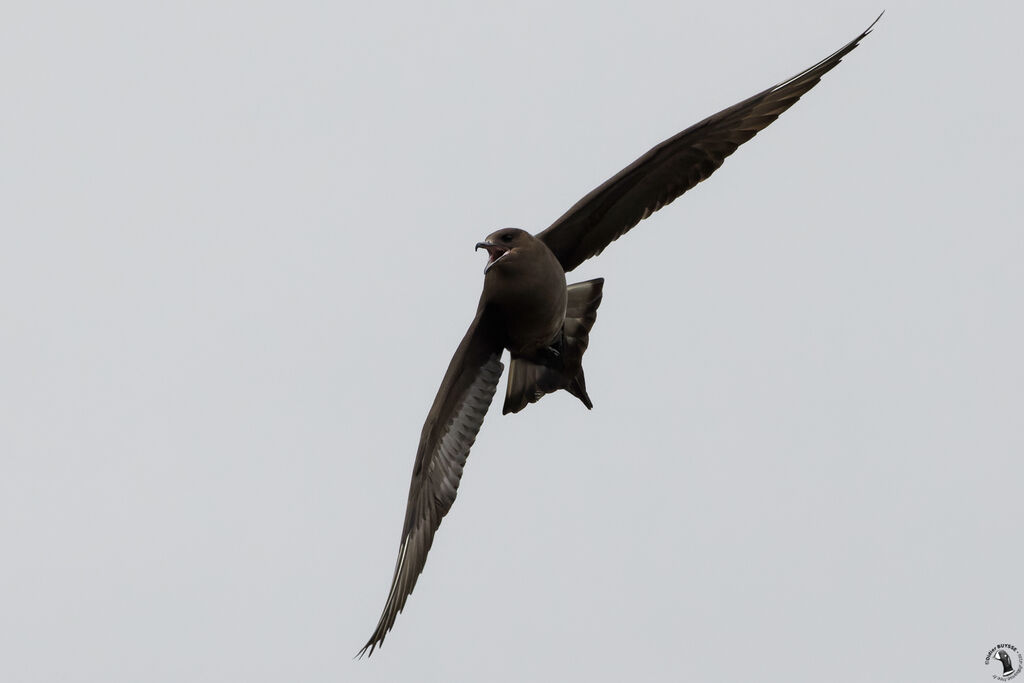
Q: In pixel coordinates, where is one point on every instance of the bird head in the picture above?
(504, 245)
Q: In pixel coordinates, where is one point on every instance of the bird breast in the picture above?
(528, 302)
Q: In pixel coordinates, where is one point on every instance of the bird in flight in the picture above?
(527, 308)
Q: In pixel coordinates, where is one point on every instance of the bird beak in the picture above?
(496, 252)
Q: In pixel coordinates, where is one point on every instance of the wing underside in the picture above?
(674, 166)
(448, 434)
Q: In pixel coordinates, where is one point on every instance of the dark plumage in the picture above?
(1004, 659)
(527, 308)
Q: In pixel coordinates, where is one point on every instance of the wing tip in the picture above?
(811, 76)
(375, 641)
(371, 645)
(868, 29)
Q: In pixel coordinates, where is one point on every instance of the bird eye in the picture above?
(507, 237)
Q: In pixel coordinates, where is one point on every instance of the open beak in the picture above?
(495, 252)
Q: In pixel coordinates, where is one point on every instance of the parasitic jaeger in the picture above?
(527, 309)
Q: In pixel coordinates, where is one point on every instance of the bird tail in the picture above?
(529, 380)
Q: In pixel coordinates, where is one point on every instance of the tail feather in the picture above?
(527, 383)
(578, 388)
(529, 380)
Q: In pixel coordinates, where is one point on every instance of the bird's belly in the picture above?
(534, 320)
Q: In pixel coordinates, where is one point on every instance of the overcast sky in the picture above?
(237, 256)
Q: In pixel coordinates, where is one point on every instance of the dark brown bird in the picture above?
(527, 308)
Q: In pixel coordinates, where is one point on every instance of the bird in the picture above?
(1004, 659)
(527, 308)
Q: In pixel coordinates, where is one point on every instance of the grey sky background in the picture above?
(237, 256)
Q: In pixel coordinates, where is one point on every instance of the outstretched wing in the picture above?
(451, 427)
(673, 167)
